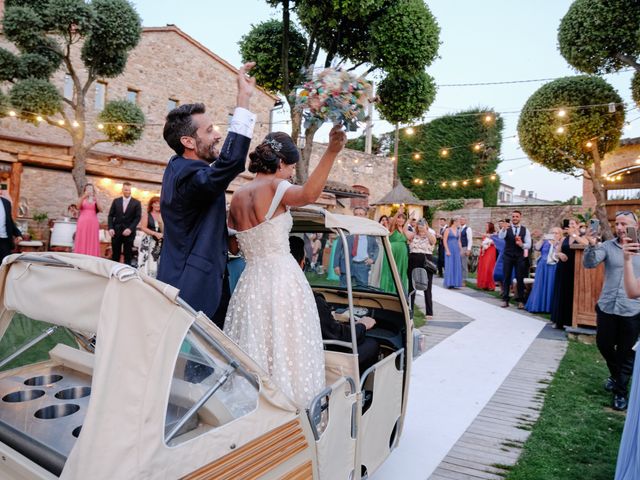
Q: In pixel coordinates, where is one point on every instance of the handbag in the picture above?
(430, 266)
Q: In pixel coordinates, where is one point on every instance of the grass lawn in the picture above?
(578, 434)
(419, 318)
(20, 331)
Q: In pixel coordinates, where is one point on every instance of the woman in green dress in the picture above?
(399, 239)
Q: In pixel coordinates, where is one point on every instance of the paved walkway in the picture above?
(476, 392)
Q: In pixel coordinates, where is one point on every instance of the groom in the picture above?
(193, 204)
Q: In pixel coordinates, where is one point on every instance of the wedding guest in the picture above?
(487, 260)
(421, 251)
(517, 239)
(452, 259)
(376, 268)
(466, 242)
(72, 211)
(617, 314)
(87, 237)
(151, 243)
(10, 234)
(439, 236)
(362, 254)
(124, 216)
(562, 303)
(541, 295)
(498, 270)
(398, 240)
(333, 242)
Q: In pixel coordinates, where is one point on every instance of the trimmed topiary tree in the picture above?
(45, 33)
(575, 143)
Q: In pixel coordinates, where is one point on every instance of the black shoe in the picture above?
(609, 383)
(619, 402)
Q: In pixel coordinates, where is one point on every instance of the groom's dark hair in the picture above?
(296, 244)
(179, 123)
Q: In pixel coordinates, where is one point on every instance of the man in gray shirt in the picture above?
(618, 316)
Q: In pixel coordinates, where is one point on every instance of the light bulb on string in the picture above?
(454, 184)
(488, 118)
(560, 130)
(119, 128)
(492, 177)
(465, 183)
(61, 122)
(589, 144)
(416, 156)
(444, 152)
(393, 159)
(355, 160)
(39, 118)
(409, 131)
(478, 181)
(12, 113)
(75, 124)
(561, 113)
(100, 126)
(443, 184)
(477, 147)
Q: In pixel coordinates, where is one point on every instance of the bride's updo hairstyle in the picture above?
(275, 148)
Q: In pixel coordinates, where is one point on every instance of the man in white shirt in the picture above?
(466, 239)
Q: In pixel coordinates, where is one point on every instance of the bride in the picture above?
(272, 314)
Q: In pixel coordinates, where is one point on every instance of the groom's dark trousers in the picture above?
(193, 206)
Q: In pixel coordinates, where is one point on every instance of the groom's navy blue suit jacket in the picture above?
(193, 207)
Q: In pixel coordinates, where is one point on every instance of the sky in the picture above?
(488, 41)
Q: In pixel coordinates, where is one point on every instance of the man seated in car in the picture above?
(332, 329)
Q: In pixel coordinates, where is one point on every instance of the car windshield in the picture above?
(326, 262)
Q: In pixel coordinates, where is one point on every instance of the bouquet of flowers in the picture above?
(336, 96)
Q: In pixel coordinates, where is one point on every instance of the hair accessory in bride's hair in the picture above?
(275, 145)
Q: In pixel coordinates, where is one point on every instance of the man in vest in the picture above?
(517, 239)
(466, 240)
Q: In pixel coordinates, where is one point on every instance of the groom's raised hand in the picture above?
(246, 85)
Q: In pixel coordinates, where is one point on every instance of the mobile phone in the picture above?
(632, 233)
(565, 223)
(594, 225)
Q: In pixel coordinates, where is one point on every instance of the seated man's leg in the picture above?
(367, 354)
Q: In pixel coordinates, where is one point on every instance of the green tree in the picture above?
(576, 142)
(462, 147)
(400, 36)
(46, 34)
(359, 144)
(602, 36)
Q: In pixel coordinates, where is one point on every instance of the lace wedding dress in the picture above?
(272, 314)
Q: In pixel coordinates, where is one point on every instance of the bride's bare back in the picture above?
(250, 204)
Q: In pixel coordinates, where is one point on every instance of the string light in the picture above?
(393, 159)
(488, 118)
(465, 183)
(561, 113)
(120, 128)
(588, 144)
(100, 126)
(60, 122)
(478, 181)
(560, 130)
(416, 156)
(39, 118)
(492, 177)
(12, 113)
(443, 184)
(75, 124)
(477, 147)
(444, 152)
(454, 184)
(410, 131)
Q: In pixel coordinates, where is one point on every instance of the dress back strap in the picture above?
(277, 198)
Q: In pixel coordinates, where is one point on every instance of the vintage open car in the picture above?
(107, 374)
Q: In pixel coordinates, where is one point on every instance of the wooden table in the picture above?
(586, 290)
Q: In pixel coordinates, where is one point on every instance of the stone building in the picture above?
(621, 168)
(166, 69)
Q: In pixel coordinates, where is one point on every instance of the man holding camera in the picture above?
(517, 239)
(617, 315)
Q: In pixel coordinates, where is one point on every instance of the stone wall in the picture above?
(358, 168)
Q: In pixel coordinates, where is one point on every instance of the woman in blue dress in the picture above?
(452, 261)
(541, 297)
(498, 273)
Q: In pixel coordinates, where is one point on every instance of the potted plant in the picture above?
(40, 218)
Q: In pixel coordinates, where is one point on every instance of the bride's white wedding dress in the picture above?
(272, 314)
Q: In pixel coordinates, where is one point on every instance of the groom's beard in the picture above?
(208, 153)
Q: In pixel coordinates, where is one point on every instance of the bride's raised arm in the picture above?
(298, 196)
